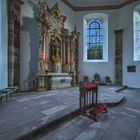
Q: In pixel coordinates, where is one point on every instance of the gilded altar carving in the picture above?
(57, 46)
(50, 24)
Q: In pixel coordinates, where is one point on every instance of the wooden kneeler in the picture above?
(89, 94)
(98, 109)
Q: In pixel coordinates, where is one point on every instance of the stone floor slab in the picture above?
(126, 125)
(113, 135)
(90, 134)
(28, 111)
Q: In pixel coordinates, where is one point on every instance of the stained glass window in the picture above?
(95, 39)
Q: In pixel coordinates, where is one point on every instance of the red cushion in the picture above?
(99, 108)
(89, 86)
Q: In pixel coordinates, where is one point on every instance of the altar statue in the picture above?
(55, 49)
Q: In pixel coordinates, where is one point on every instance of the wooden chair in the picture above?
(108, 80)
(97, 78)
(85, 79)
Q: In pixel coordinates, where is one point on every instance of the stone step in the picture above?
(49, 126)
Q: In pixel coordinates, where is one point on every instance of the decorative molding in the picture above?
(20, 1)
(90, 8)
(69, 4)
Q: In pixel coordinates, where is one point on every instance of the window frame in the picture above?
(104, 18)
(136, 35)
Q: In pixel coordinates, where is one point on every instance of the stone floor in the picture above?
(120, 123)
(29, 111)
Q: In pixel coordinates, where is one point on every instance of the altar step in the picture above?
(49, 126)
(56, 123)
(122, 88)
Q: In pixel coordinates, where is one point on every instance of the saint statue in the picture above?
(55, 49)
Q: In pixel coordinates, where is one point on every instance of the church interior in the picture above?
(69, 70)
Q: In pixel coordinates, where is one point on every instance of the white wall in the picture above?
(118, 19)
(131, 79)
(29, 40)
(29, 46)
(103, 68)
(3, 45)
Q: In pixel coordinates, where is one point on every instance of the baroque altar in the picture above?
(58, 50)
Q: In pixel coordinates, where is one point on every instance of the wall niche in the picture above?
(131, 68)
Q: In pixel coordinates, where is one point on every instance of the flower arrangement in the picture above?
(42, 58)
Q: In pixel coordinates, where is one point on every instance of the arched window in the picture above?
(136, 33)
(95, 38)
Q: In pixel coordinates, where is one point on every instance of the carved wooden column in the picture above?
(42, 62)
(66, 50)
(43, 27)
(118, 56)
(14, 42)
(74, 57)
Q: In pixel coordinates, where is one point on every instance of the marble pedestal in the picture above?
(54, 81)
(58, 80)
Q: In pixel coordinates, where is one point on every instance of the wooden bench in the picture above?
(14, 88)
(5, 93)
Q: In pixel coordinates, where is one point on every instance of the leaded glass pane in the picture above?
(95, 39)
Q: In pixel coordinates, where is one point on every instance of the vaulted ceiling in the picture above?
(95, 2)
(85, 5)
